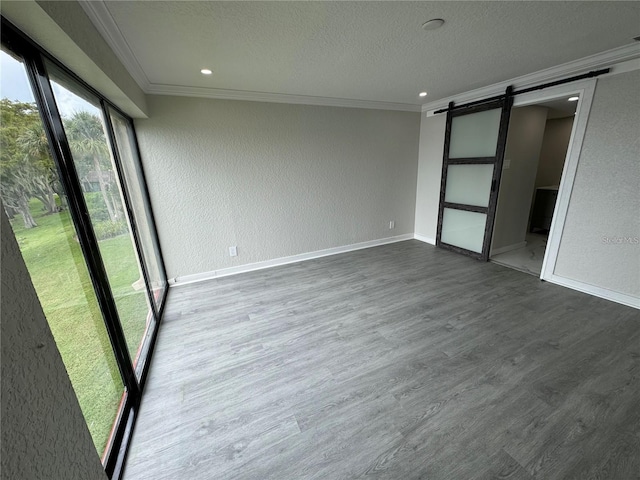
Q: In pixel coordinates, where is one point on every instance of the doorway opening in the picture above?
(536, 149)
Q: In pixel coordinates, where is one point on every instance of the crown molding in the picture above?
(102, 19)
(224, 94)
(575, 67)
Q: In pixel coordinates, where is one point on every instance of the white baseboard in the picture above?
(425, 239)
(276, 262)
(508, 248)
(617, 297)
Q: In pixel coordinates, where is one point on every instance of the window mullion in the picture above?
(80, 214)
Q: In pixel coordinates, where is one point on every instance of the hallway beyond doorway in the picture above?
(527, 259)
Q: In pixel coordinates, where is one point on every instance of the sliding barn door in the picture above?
(474, 146)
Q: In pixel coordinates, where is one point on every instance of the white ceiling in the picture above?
(559, 108)
(369, 51)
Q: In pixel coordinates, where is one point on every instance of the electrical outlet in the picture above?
(506, 164)
(392, 225)
(233, 251)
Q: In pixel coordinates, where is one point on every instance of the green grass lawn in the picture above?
(61, 279)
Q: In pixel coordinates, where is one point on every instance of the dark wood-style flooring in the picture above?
(397, 362)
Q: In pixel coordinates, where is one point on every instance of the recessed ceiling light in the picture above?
(573, 99)
(422, 94)
(206, 71)
(433, 24)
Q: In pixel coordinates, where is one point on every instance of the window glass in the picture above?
(135, 186)
(36, 204)
(85, 131)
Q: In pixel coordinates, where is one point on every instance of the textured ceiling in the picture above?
(375, 51)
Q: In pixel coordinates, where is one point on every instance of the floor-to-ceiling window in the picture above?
(84, 127)
(73, 188)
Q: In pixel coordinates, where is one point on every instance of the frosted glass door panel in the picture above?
(463, 229)
(475, 134)
(469, 184)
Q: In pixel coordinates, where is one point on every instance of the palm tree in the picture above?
(34, 144)
(87, 139)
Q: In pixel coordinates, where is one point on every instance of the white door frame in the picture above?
(585, 90)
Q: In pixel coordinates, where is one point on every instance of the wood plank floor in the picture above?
(396, 362)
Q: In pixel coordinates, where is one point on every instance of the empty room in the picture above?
(320, 240)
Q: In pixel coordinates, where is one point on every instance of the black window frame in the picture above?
(133, 378)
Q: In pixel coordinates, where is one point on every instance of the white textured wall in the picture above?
(522, 151)
(557, 134)
(605, 201)
(44, 435)
(274, 179)
(429, 175)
